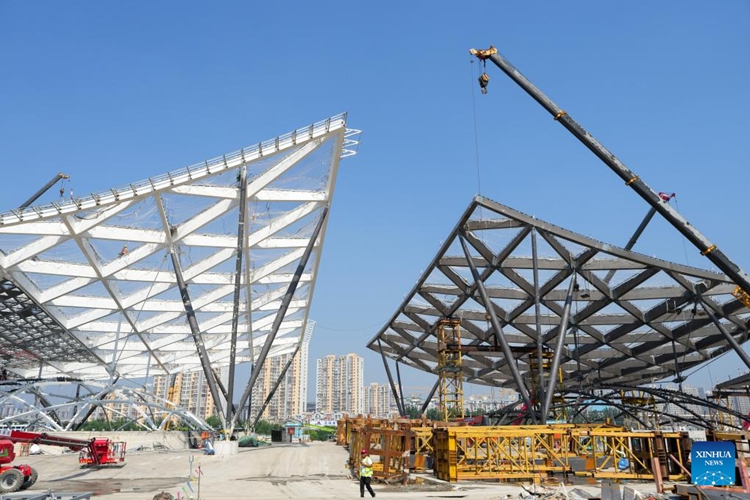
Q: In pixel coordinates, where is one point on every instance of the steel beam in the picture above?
(281, 313)
(429, 397)
(537, 313)
(562, 329)
(499, 335)
(276, 384)
(197, 337)
(401, 409)
(44, 189)
(113, 364)
(633, 239)
(237, 290)
(400, 387)
(732, 342)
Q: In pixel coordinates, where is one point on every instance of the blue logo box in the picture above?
(712, 463)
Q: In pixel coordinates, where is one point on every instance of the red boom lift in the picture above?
(94, 452)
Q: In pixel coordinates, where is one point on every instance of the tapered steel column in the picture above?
(539, 396)
(237, 290)
(197, 337)
(499, 335)
(429, 397)
(275, 386)
(563, 328)
(400, 387)
(735, 345)
(401, 409)
(281, 312)
(113, 363)
(633, 239)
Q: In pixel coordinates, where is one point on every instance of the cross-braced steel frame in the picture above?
(66, 404)
(516, 282)
(658, 407)
(197, 269)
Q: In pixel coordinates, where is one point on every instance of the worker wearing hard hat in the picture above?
(365, 474)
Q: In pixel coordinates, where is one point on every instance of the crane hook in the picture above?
(484, 80)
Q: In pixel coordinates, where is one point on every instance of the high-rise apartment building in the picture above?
(290, 398)
(339, 384)
(377, 400)
(192, 391)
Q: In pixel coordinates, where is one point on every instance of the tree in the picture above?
(412, 412)
(320, 434)
(265, 427)
(120, 424)
(214, 422)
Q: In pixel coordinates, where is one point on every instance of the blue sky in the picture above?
(112, 92)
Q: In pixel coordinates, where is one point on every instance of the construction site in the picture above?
(214, 265)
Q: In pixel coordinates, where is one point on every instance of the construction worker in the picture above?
(365, 474)
(208, 448)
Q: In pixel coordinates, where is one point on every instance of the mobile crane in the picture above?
(657, 202)
(94, 452)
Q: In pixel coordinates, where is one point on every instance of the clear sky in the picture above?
(113, 92)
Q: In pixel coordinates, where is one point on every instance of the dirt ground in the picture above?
(279, 471)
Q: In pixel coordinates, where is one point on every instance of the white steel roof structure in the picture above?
(88, 289)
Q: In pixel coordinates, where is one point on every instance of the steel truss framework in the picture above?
(198, 268)
(632, 319)
(667, 408)
(65, 404)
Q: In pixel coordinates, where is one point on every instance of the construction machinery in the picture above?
(657, 201)
(94, 452)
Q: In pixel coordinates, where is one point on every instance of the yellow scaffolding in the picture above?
(623, 454)
(646, 404)
(533, 452)
(421, 446)
(389, 449)
(558, 411)
(451, 391)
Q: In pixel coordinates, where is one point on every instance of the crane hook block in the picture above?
(484, 80)
(483, 54)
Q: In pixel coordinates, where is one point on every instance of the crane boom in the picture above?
(44, 189)
(44, 438)
(706, 248)
(94, 451)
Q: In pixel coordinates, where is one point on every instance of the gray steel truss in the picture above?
(633, 319)
(667, 408)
